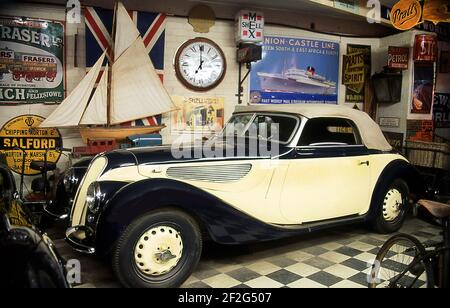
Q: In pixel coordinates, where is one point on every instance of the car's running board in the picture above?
(323, 224)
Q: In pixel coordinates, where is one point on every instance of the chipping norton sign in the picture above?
(31, 60)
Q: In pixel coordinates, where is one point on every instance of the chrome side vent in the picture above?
(216, 173)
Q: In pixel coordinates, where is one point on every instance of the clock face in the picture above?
(200, 64)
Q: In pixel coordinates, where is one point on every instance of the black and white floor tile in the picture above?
(338, 258)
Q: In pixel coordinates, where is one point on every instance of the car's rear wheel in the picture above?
(391, 207)
(158, 250)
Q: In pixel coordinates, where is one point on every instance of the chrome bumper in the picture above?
(80, 238)
(54, 215)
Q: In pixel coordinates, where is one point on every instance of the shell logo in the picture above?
(406, 14)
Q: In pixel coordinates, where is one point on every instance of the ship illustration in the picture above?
(295, 80)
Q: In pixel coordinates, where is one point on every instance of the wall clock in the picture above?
(200, 64)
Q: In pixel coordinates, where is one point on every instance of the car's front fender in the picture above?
(223, 223)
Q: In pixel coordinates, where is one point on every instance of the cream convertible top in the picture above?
(370, 132)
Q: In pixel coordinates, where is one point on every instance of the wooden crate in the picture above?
(428, 154)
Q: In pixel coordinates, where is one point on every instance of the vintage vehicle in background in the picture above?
(151, 212)
(28, 258)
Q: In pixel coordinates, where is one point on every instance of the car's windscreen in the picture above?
(272, 127)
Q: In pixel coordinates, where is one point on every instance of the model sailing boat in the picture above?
(129, 90)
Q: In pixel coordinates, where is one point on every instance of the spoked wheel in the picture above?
(158, 250)
(399, 264)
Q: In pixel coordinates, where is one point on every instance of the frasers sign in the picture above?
(250, 27)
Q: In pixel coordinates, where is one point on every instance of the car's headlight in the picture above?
(93, 197)
(69, 180)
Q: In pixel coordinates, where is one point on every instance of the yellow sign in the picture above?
(436, 11)
(23, 132)
(198, 114)
(406, 14)
(354, 71)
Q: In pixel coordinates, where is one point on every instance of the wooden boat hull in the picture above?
(117, 133)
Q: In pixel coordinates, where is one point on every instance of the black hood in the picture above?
(164, 154)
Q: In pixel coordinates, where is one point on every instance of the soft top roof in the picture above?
(370, 132)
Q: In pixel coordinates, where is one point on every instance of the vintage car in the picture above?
(66, 186)
(28, 258)
(149, 209)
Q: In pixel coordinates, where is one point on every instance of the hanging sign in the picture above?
(398, 57)
(31, 60)
(406, 14)
(250, 27)
(425, 48)
(24, 132)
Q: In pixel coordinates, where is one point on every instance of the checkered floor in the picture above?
(337, 258)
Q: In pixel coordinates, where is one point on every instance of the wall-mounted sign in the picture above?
(425, 48)
(31, 60)
(296, 70)
(441, 110)
(250, 27)
(356, 68)
(406, 14)
(423, 88)
(398, 57)
(201, 18)
(419, 130)
(198, 114)
(24, 132)
(436, 11)
(389, 122)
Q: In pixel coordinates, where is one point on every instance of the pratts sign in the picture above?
(406, 14)
(23, 132)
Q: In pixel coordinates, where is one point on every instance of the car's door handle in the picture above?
(363, 163)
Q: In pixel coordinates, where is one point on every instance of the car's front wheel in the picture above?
(391, 207)
(158, 250)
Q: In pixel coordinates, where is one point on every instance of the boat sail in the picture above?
(129, 89)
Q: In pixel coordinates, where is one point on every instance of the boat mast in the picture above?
(111, 48)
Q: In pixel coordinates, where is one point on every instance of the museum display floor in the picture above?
(334, 258)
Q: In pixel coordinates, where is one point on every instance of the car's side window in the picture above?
(329, 132)
(274, 127)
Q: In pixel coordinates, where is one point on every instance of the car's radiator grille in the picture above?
(217, 173)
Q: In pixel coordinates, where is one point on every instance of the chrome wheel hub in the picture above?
(158, 251)
(392, 205)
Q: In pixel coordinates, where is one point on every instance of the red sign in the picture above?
(398, 57)
(425, 48)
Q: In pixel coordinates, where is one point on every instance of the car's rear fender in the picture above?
(396, 169)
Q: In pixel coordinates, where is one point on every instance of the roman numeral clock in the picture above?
(200, 64)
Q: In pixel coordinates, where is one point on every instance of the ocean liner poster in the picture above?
(296, 70)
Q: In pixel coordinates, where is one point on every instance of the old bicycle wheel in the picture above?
(399, 264)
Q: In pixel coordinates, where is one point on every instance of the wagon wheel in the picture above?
(29, 77)
(16, 76)
(50, 78)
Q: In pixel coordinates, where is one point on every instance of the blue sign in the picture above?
(296, 70)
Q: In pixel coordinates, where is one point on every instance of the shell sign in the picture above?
(406, 14)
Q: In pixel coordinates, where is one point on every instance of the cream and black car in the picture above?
(149, 209)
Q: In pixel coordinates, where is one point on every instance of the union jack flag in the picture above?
(98, 39)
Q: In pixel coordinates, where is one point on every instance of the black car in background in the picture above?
(28, 258)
